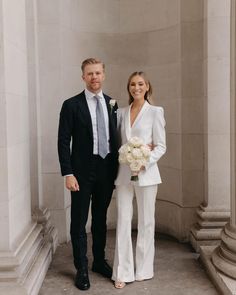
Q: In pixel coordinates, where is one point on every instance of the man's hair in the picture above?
(91, 61)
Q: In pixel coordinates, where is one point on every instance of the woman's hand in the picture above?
(142, 168)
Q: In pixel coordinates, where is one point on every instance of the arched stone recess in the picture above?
(168, 43)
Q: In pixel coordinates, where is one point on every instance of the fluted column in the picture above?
(224, 256)
(213, 214)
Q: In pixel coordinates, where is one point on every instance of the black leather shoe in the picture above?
(103, 268)
(82, 279)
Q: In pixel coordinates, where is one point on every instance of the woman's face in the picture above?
(138, 87)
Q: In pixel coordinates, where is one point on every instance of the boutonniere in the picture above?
(112, 103)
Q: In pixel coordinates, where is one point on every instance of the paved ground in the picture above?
(177, 272)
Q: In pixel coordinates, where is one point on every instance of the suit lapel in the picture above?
(140, 114)
(84, 112)
(127, 122)
(128, 127)
(112, 126)
(108, 106)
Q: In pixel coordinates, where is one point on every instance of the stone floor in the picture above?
(178, 271)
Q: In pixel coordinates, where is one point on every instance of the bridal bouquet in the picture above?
(135, 154)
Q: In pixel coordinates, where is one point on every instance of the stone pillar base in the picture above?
(223, 283)
(224, 256)
(42, 216)
(22, 270)
(207, 230)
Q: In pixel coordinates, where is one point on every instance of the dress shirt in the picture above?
(92, 104)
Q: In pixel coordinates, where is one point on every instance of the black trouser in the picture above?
(98, 188)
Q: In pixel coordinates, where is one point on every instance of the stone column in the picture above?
(214, 212)
(220, 261)
(25, 247)
(40, 212)
(224, 256)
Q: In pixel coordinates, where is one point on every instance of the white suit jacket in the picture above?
(150, 126)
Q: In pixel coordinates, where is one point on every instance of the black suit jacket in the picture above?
(76, 124)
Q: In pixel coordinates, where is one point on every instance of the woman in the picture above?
(147, 122)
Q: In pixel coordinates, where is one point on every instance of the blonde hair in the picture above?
(91, 61)
(148, 94)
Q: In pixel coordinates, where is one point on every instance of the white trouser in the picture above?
(123, 267)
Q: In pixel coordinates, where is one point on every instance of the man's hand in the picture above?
(72, 183)
(151, 146)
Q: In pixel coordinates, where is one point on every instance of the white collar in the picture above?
(90, 94)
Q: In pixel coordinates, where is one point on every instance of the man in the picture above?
(89, 166)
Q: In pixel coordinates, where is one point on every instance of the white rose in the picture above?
(135, 141)
(123, 149)
(143, 161)
(137, 153)
(130, 158)
(122, 158)
(129, 148)
(112, 102)
(145, 150)
(136, 165)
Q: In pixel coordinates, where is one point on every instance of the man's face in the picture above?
(93, 77)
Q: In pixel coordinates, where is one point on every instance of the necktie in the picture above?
(101, 128)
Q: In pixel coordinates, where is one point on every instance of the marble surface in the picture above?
(178, 271)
